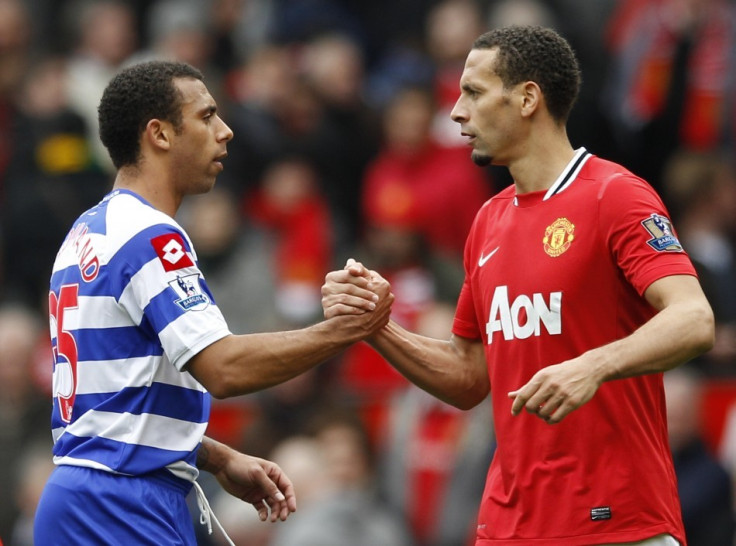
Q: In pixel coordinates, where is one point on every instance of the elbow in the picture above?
(216, 387)
(218, 382)
(466, 404)
(703, 330)
(223, 387)
(469, 398)
(707, 338)
(219, 390)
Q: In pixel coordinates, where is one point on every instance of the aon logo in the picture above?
(525, 316)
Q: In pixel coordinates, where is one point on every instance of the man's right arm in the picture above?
(241, 364)
(452, 370)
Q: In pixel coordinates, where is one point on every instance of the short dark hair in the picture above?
(538, 54)
(136, 95)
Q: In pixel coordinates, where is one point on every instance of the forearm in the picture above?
(453, 371)
(241, 364)
(673, 336)
(212, 455)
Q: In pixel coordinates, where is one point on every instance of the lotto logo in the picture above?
(174, 252)
(171, 251)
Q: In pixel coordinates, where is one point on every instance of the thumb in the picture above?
(356, 269)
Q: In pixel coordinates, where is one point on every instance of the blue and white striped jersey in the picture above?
(129, 307)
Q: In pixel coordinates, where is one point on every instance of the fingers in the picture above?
(551, 399)
(279, 499)
(353, 290)
(263, 509)
(539, 399)
(356, 268)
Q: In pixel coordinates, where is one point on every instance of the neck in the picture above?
(144, 184)
(537, 168)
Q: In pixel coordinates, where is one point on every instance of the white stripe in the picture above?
(189, 334)
(182, 470)
(57, 432)
(67, 255)
(563, 175)
(145, 429)
(114, 375)
(147, 283)
(96, 312)
(574, 174)
(130, 216)
(73, 461)
(168, 374)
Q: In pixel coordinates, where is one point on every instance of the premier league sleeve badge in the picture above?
(189, 290)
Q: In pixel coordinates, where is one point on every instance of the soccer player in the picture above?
(139, 342)
(577, 297)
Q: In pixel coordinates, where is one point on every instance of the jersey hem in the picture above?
(180, 361)
(588, 540)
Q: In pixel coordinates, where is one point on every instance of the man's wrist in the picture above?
(211, 455)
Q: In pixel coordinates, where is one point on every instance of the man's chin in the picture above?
(482, 160)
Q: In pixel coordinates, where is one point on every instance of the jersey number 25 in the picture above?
(65, 350)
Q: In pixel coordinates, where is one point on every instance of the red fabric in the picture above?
(432, 459)
(446, 87)
(592, 257)
(304, 251)
(437, 191)
(6, 146)
(365, 372)
(641, 32)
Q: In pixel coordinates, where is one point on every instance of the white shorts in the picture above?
(659, 540)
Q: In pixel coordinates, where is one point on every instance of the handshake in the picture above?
(357, 299)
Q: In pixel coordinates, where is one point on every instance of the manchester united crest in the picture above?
(558, 237)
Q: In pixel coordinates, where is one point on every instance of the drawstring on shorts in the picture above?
(206, 515)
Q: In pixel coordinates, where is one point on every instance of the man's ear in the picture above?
(531, 97)
(158, 134)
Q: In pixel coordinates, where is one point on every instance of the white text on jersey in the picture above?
(89, 263)
(525, 316)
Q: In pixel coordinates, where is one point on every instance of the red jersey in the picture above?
(550, 275)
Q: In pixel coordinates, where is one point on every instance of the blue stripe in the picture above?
(121, 457)
(158, 399)
(138, 251)
(115, 343)
(102, 286)
(115, 276)
(162, 309)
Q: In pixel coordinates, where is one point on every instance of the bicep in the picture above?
(471, 352)
(675, 289)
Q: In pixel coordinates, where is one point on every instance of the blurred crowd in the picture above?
(344, 148)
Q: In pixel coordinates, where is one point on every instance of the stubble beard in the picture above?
(480, 159)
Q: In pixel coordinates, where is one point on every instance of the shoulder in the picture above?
(136, 231)
(612, 181)
(491, 207)
(129, 215)
(503, 198)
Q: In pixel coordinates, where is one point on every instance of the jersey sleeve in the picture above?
(465, 323)
(639, 232)
(167, 294)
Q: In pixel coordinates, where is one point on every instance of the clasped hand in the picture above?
(356, 290)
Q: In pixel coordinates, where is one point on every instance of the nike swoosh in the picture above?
(484, 259)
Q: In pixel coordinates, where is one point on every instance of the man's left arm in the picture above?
(256, 481)
(682, 329)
